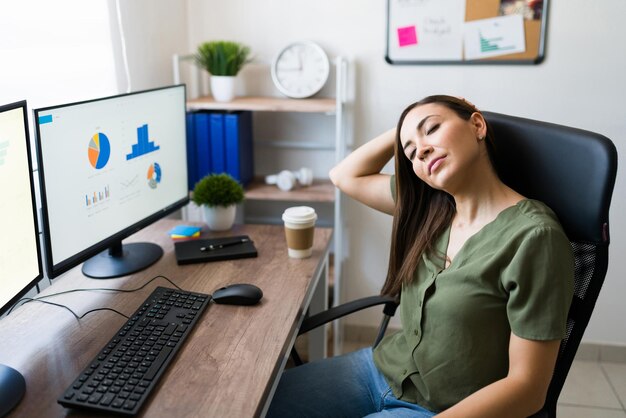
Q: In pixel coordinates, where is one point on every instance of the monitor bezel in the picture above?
(5, 108)
(55, 270)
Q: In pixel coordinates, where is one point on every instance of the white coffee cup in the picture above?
(299, 230)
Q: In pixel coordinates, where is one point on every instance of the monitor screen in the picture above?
(20, 257)
(20, 260)
(109, 167)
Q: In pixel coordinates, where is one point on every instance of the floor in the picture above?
(592, 389)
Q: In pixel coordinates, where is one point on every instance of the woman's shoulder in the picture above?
(536, 214)
(532, 226)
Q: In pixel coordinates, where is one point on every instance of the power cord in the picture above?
(40, 299)
(26, 300)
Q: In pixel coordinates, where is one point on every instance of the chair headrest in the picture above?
(571, 170)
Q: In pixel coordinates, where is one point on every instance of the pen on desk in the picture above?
(226, 244)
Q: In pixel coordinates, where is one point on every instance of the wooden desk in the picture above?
(229, 365)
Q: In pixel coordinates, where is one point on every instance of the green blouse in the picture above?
(514, 275)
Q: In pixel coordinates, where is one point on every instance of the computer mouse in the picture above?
(238, 294)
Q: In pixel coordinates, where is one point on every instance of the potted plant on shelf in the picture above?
(218, 195)
(222, 60)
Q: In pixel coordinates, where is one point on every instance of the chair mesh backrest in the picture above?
(573, 172)
(584, 266)
(590, 263)
(584, 259)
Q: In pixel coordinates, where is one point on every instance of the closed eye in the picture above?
(432, 129)
(410, 151)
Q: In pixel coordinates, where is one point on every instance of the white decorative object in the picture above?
(223, 87)
(287, 180)
(300, 70)
(219, 218)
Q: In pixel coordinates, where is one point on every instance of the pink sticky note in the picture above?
(407, 35)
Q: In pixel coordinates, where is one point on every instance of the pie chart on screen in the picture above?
(99, 151)
(154, 175)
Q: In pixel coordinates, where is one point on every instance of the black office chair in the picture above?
(573, 172)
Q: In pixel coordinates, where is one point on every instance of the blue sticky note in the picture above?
(184, 230)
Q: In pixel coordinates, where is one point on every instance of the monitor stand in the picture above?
(12, 388)
(121, 260)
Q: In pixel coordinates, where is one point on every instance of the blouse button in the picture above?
(416, 332)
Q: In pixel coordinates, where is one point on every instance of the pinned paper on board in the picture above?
(428, 29)
(493, 37)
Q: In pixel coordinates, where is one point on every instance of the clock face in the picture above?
(300, 69)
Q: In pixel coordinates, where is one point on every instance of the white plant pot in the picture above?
(220, 218)
(223, 87)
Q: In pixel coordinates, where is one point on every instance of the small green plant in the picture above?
(222, 57)
(218, 190)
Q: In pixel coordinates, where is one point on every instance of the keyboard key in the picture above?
(107, 399)
(95, 398)
(130, 404)
(156, 366)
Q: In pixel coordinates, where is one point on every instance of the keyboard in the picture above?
(126, 371)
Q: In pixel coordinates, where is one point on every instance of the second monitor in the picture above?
(109, 167)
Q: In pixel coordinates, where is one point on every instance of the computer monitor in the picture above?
(20, 257)
(109, 167)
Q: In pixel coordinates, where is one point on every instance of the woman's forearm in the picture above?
(358, 175)
(522, 392)
(366, 160)
(504, 398)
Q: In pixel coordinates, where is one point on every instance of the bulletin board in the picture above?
(466, 31)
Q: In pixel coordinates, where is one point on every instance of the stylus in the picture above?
(226, 244)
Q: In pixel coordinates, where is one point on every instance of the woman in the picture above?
(485, 277)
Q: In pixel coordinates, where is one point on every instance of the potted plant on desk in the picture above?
(218, 195)
(223, 60)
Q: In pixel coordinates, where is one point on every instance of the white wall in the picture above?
(581, 84)
(152, 31)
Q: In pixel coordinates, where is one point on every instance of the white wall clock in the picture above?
(300, 69)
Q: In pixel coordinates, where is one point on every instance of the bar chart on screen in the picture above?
(144, 145)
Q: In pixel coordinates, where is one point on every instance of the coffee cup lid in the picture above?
(299, 214)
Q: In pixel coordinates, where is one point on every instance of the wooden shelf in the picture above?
(319, 191)
(267, 104)
(322, 192)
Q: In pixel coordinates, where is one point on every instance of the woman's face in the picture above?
(442, 148)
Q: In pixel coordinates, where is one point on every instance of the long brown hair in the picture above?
(421, 212)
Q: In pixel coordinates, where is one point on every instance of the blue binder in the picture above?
(192, 165)
(239, 150)
(218, 154)
(203, 149)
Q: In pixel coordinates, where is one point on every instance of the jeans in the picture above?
(343, 386)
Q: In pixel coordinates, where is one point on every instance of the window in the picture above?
(56, 51)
